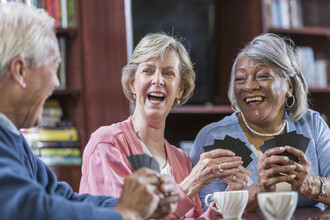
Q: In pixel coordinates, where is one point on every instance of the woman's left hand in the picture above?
(304, 182)
(238, 181)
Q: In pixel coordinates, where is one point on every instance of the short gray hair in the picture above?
(277, 53)
(155, 45)
(24, 32)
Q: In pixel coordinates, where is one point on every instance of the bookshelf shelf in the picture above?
(201, 109)
(320, 90)
(70, 31)
(66, 92)
(316, 31)
(312, 32)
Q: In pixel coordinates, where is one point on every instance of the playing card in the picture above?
(292, 139)
(143, 160)
(286, 139)
(209, 148)
(235, 145)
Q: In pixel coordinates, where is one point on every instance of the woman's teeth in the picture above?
(154, 96)
(254, 99)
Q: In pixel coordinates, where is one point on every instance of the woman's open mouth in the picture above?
(156, 97)
(254, 101)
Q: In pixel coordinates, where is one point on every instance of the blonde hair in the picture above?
(157, 45)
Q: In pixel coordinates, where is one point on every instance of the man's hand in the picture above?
(141, 195)
(170, 198)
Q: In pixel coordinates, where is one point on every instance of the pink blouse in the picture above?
(105, 165)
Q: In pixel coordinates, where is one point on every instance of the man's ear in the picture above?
(17, 70)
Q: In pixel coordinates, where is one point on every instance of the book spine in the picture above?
(268, 10)
(50, 161)
(276, 14)
(35, 3)
(285, 13)
(64, 14)
(58, 135)
(28, 2)
(56, 12)
(53, 152)
(52, 111)
(62, 70)
(71, 13)
(55, 144)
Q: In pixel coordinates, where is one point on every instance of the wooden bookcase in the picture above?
(237, 23)
(96, 52)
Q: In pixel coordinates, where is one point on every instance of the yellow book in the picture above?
(64, 152)
(69, 134)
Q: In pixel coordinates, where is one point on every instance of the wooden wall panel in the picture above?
(104, 54)
(237, 23)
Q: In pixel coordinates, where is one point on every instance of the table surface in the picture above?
(308, 213)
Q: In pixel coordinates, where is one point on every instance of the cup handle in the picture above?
(207, 202)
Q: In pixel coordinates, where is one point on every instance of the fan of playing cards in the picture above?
(292, 139)
(235, 145)
(143, 160)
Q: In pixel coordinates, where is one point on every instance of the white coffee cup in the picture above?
(278, 205)
(230, 204)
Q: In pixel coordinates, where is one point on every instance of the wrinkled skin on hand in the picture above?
(169, 199)
(140, 195)
(207, 170)
(242, 178)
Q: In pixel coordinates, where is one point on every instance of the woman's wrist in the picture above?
(253, 193)
(189, 187)
(320, 187)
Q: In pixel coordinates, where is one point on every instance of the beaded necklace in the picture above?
(261, 134)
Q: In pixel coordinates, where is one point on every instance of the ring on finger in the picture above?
(220, 169)
(234, 178)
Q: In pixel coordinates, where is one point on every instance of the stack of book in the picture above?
(284, 13)
(55, 142)
(52, 114)
(61, 10)
(315, 71)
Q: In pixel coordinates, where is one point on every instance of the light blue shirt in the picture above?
(8, 124)
(311, 126)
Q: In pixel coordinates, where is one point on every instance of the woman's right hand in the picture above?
(238, 181)
(214, 164)
(271, 168)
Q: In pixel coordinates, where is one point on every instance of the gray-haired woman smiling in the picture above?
(269, 95)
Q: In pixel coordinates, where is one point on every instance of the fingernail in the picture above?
(293, 176)
(286, 158)
(282, 148)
